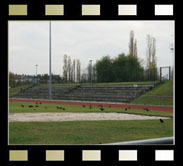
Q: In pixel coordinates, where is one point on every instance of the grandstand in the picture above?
(103, 93)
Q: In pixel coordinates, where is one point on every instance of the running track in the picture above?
(153, 108)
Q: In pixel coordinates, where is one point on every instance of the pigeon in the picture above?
(22, 105)
(36, 106)
(30, 106)
(161, 120)
(83, 105)
(126, 109)
(63, 108)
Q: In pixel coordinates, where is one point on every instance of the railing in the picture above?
(158, 141)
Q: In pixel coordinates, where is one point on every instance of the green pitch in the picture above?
(87, 132)
(19, 107)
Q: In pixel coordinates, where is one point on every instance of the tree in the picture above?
(78, 70)
(45, 78)
(152, 71)
(104, 70)
(94, 73)
(11, 79)
(122, 68)
(127, 68)
(73, 70)
(89, 68)
(132, 45)
(65, 68)
(135, 48)
(69, 64)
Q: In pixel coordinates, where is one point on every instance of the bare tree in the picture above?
(69, 64)
(65, 68)
(78, 69)
(131, 44)
(73, 70)
(151, 58)
(89, 67)
(94, 73)
(135, 48)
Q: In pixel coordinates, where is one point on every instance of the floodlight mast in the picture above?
(50, 76)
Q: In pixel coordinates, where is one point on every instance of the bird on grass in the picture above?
(161, 120)
(30, 106)
(126, 109)
(90, 107)
(36, 106)
(101, 108)
(22, 105)
(83, 105)
(63, 109)
(40, 103)
(146, 109)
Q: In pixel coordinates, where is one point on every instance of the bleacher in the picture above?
(99, 93)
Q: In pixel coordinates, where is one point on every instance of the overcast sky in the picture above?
(84, 40)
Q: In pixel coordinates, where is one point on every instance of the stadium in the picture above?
(111, 100)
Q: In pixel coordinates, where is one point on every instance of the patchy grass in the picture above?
(87, 132)
(15, 107)
(160, 95)
(16, 90)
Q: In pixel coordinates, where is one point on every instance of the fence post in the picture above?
(169, 73)
(160, 74)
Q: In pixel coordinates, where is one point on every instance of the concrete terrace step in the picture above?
(107, 93)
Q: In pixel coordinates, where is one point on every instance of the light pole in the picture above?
(50, 77)
(36, 74)
(172, 51)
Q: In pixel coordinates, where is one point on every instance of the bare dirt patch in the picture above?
(48, 117)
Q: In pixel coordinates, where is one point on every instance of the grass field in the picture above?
(15, 107)
(87, 132)
(14, 91)
(91, 132)
(160, 95)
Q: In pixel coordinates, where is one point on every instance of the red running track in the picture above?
(154, 108)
